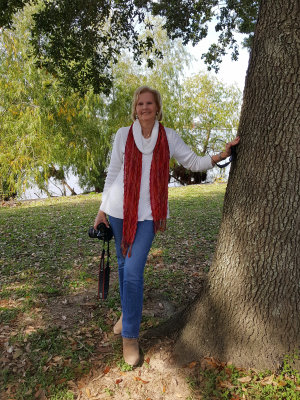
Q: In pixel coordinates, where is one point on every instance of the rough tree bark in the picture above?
(249, 312)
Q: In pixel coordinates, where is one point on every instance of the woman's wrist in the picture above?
(222, 155)
(219, 157)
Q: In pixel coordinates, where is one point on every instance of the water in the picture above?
(56, 189)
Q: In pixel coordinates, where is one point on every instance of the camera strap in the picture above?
(232, 158)
(104, 272)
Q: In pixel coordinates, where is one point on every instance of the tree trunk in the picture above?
(249, 313)
(65, 183)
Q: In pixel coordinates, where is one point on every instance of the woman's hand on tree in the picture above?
(228, 146)
(224, 154)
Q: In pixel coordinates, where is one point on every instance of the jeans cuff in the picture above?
(129, 337)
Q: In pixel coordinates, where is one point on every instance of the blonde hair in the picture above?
(157, 98)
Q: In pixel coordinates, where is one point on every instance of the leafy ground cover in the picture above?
(56, 337)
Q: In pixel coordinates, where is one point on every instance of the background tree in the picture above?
(73, 132)
(209, 117)
(22, 110)
(80, 42)
(46, 129)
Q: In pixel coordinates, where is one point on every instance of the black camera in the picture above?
(102, 232)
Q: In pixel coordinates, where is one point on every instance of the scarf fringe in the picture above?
(160, 225)
(126, 249)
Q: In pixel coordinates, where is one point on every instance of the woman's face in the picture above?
(146, 107)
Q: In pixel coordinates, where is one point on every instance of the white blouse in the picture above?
(113, 192)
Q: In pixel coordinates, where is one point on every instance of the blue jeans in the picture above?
(131, 273)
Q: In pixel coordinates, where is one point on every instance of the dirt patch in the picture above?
(157, 379)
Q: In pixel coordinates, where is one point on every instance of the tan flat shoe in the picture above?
(131, 351)
(118, 326)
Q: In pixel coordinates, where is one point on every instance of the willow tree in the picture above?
(208, 112)
(46, 129)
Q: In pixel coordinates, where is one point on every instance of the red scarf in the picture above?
(159, 178)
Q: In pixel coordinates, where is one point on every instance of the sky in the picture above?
(230, 71)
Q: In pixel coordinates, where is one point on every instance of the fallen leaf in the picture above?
(106, 370)
(245, 379)
(81, 384)
(61, 381)
(40, 394)
(57, 358)
(119, 381)
(212, 362)
(88, 392)
(226, 385)
(268, 380)
(192, 364)
(282, 383)
(147, 360)
(164, 389)
(17, 353)
(298, 388)
(137, 378)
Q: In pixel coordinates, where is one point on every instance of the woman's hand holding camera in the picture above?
(101, 217)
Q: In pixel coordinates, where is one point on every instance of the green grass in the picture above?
(224, 382)
(8, 314)
(47, 258)
(52, 359)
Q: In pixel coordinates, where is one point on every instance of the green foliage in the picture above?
(230, 16)
(81, 41)
(212, 109)
(124, 366)
(207, 117)
(44, 124)
(49, 129)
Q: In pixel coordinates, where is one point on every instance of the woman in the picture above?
(135, 197)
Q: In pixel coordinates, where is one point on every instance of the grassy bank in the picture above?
(56, 336)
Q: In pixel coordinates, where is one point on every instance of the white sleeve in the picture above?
(186, 157)
(116, 162)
